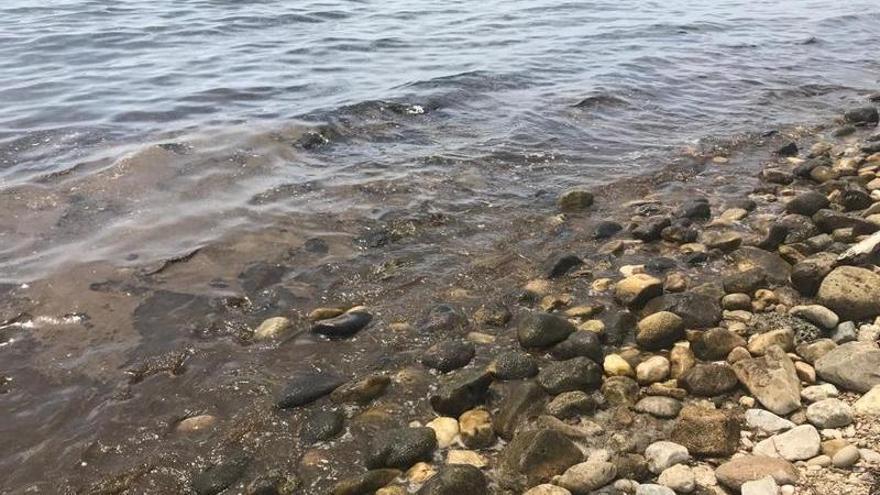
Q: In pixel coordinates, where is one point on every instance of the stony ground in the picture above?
(703, 348)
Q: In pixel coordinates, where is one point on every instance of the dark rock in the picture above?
(620, 390)
(321, 426)
(572, 404)
(461, 391)
(578, 373)
(274, 483)
(441, 318)
(807, 203)
(558, 266)
(533, 457)
(495, 315)
(344, 325)
(632, 467)
(306, 388)
(696, 258)
(456, 479)
(679, 234)
(696, 209)
(854, 199)
(220, 476)
(659, 265)
(620, 326)
(788, 149)
(829, 220)
(709, 380)
(803, 330)
(715, 344)
(776, 269)
(650, 229)
(515, 366)
(707, 432)
(807, 275)
(777, 176)
(606, 229)
(543, 330)
(579, 343)
(745, 282)
(520, 401)
(401, 448)
(449, 355)
(799, 227)
(776, 235)
(366, 483)
(696, 310)
(866, 115)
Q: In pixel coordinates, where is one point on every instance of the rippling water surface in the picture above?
(173, 172)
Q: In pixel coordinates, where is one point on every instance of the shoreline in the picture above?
(482, 360)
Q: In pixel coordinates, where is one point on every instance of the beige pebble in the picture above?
(198, 423)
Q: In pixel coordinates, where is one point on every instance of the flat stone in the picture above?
(579, 343)
(319, 426)
(535, 456)
(220, 476)
(852, 366)
(739, 470)
(445, 429)
(829, 413)
(449, 355)
(654, 369)
(514, 366)
(783, 337)
(797, 444)
(661, 407)
(851, 292)
(620, 391)
(772, 379)
(571, 404)
(308, 387)
(659, 330)
(815, 393)
(766, 421)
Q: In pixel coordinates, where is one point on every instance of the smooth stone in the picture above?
(578, 373)
(807, 274)
(195, 424)
(869, 404)
(807, 203)
(519, 402)
(846, 457)
(681, 359)
(706, 432)
(579, 343)
(815, 393)
(766, 421)
(663, 455)
(862, 115)
(615, 365)
(401, 448)
(620, 391)
(844, 332)
(449, 355)
(852, 293)
(272, 328)
(321, 426)
(583, 478)
(744, 282)
(679, 478)
(739, 470)
(344, 325)
(574, 200)
(456, 479)
(515, 366)
(709, 380)
(829, 413)
(816, 314)
(535, 456)
(636, 290)
(653, 369)
(852, 366)
(365, 483)
(797, 444)
(606, 229)
(361, 391)
(763, 486)
(558, 266)
(659, 330)
(493, 315)
(306, 388)
(540, 330)
(445, 429)
(547, 489)
(772, 379)
(783, 337)
(660, 407)
(571, 404)
(460, 391)
(697, 310)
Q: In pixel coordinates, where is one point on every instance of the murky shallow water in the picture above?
(171, 173)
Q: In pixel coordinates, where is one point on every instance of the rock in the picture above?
(365, 483)
(324, 313)
(654, 369)
(861, 116)
(274, 482)
(724, 241)
(220, 476)
(448, 355)
(846, 457)
(476, 429)
(441, 318)
(558, 266)
(515, 366)
(739, 470)
(652, 489)
(320, 426)
(460, 391)
(797, 444)
(194, 424)
(829, 413)
(606, 229)
(709, 380)
(788, 149)
(811, 352)
(543, 330)
(663, 455)
(401, 448)
(853, 366)
(764, 486)
(344, 325)
(535, 456)
(695, 309)
(519, 402)
(456, 479)
(706, 432)
(766, 421)
(854, 199)
(807, 203)
(772, 379)
(547, 489)
(851, 292)
(807, 275)
(816, 314)
(615, 365)
(638, 289)
(650, 230)
(681, 359)
(777, 270)
(306, 388)
(578, 373)
(575, 200)
(583, 478)
(715, 344)
(844, 332)
(869, 404)
(272, 328)
(733, 302)
(579, 343)
(621, 391)
(830, 220)
(783, 338)
(679, 478)
(745, 282)
(659, 330)
(738, 354)
(571, 404)
(696, 209)
(619, 327)
(632, 466)
(361, 391)
(661, 407)
(445, 430)
(816, 393)
(493, 315)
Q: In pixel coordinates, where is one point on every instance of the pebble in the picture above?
(766, 421)
(653, 369)
(272, 328)
(475, 429)
(679, 477)
(829, 413)
(846, 457)
(195, 424)
(661, 407)
(615, 365)
(445, 429)
(664, 454)
(651, 489)
(764, 486)
(583, 478)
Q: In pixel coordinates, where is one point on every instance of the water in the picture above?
(303, 153)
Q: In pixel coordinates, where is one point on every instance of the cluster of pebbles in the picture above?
(740, 357)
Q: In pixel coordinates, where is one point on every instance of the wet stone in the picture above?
(535, 456)
(659, 330)
(401, 448)
(495, 315)
(441, 318)
(342, 326)
(220, 476)
(606, 229)
(715, 344)
(575, 200)
(448, 355)
(306, 388)
(579, 344)
(366, 483)
(650, 229)
(515, 366)
(745, 282)
(578, 373)
(320, 426)
(660, 407)
(620, 390)
(696, 209)
(543, 330)
(861, 116)
(697, 310)
(456, 479)
(461, 391)
(807, 203)
(572, 404)
(361, 391)
(519, 402)
(558, 266)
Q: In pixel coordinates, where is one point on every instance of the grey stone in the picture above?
(772, 379)
(853, 366)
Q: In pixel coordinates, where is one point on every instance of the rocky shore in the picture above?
(709, 345)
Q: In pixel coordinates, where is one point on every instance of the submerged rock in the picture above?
(220, 476)
(578, 373)
(365, 483)
(344, 325)
(543, 330)
(456, 479)
(535, 456)
(449, 355)
(308, 387)
(461, 391)
(320, 426)
(401, 448)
